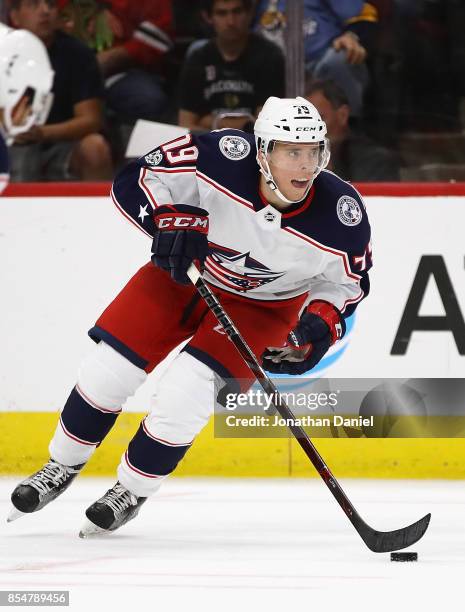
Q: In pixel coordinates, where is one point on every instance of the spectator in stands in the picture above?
(233, 73)
(338, 35)
(69, 144)
(131, 39)
(354, 156)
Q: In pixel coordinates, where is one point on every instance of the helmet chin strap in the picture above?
(265, 170)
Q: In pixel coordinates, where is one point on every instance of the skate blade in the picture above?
(90, 529)
(14, 514)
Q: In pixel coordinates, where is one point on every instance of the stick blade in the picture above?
(390, 541)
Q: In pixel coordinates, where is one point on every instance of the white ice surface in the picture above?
(242, 545)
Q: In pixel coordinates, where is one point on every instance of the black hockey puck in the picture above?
(404, 556)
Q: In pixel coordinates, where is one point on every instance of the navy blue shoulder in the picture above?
(228, 157)
(336, 216)
(227, 145)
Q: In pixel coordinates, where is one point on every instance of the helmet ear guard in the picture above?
(289, 120)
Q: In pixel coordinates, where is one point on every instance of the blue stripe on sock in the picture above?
(152, 457)
(84, 421)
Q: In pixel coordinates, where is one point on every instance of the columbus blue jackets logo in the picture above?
(348, 211)
(238, 271)
(234, 147)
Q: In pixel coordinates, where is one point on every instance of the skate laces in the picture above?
(119, 499)
(50, 475)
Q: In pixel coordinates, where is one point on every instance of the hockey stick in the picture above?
(377, 541)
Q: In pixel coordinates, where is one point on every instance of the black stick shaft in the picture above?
(377, 541)
(269, 388)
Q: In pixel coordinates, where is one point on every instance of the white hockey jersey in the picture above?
(320, 246)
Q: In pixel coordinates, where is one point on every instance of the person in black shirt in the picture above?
(225, 81)
(69, 144)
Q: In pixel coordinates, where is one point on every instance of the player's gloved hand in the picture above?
(180, 238)
(320, 326)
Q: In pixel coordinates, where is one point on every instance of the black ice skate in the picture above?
(41, 488)
(115, 508)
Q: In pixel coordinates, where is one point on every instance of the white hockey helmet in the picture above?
(289, 120)
(24, 70)
(4, 29)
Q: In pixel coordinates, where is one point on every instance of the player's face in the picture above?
(293, 167)
(230, 19)
(20, 113)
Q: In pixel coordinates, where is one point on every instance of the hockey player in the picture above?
(26, 79)
(285, 246)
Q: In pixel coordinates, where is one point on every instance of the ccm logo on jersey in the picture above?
(181, 221)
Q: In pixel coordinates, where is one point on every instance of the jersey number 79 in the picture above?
(179, 151)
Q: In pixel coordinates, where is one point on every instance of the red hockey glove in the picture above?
(320, 326)
(180, 238)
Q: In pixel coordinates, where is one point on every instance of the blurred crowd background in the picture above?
(387, 76)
